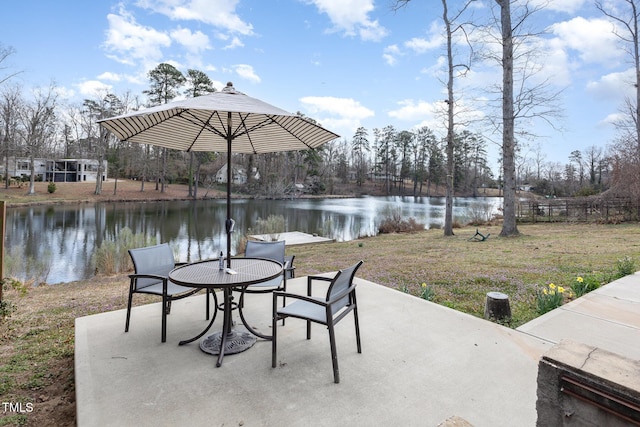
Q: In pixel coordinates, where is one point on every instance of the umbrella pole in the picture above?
(228, 224)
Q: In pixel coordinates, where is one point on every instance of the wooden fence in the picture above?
(578, 209)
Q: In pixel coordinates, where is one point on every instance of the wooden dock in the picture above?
(292, 238)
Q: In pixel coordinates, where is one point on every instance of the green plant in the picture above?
(427, 292)
(584, 285)
(273, 226)
(624, 267)
(113, 256)
(7, 307)
(549, 297)
(51, 188)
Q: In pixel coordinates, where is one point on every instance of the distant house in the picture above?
(75, 170)
(63, 170)
(238, 175)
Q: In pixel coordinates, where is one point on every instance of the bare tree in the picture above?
(452, 26)
(38, 120)
(10, 107)
(534, 98)
(625, 19)
(5, 53)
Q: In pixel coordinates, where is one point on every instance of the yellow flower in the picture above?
(552, 286)
(560, 289)
(424, 285)
(579, 279)
(544, 291)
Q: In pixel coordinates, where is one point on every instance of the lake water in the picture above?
(55, 243)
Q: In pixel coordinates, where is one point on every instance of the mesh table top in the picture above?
(208, 274)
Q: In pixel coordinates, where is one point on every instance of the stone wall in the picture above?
(580, 385)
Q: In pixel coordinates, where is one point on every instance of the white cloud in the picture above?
(345, 107)
(192, 42)
(234, 43)
(352, 17)
(613, 86)
(131, 43)
(342, 115)
(246, 72)
(568, 6)
(411, 110)
(114, 77)
(592, 38)
(93, 88)
(433, 40)
(219, 13)
(391, 53)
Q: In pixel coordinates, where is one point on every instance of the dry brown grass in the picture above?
(126, 190)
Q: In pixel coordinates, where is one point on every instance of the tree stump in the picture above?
(497, 307)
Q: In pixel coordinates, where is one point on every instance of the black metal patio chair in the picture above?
(339, 301)
(152, 265)
(273, 251)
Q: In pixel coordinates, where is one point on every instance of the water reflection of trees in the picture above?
(66, 236)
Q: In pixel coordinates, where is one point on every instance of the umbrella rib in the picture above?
(149, 119)
(205, 125)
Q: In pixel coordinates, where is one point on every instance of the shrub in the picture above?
(273, 226)
(113, 256)
(394, 223)
(7, 307)
(51, 188)
(624, 267)
(480, 213)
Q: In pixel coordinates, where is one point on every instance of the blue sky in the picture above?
(346, 63)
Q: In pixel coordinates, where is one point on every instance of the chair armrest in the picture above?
(277, 294)
(310, 279)
(326, 279)
(147, 276)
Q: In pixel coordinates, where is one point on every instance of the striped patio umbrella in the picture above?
(226, 121)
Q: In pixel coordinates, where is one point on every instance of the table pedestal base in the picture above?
(235, 342)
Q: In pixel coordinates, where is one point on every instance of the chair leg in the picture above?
(355, 316)
(165, 311)
(126, 325)
(334, 354)
(274, 324)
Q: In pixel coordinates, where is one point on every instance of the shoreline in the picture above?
(129, 191)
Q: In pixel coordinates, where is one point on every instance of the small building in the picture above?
(238, 175)
(75, 170)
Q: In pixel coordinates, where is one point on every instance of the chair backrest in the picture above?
(156, 259)
(267, 250)
(341, 282)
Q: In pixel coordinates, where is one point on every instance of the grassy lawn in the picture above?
(37, 340)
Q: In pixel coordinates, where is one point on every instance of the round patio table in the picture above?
(207, 275)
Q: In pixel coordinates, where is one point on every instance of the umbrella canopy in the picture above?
(211, 122)
(226, 121)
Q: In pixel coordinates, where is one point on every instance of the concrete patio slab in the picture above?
(421, 364)
(607, 318)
